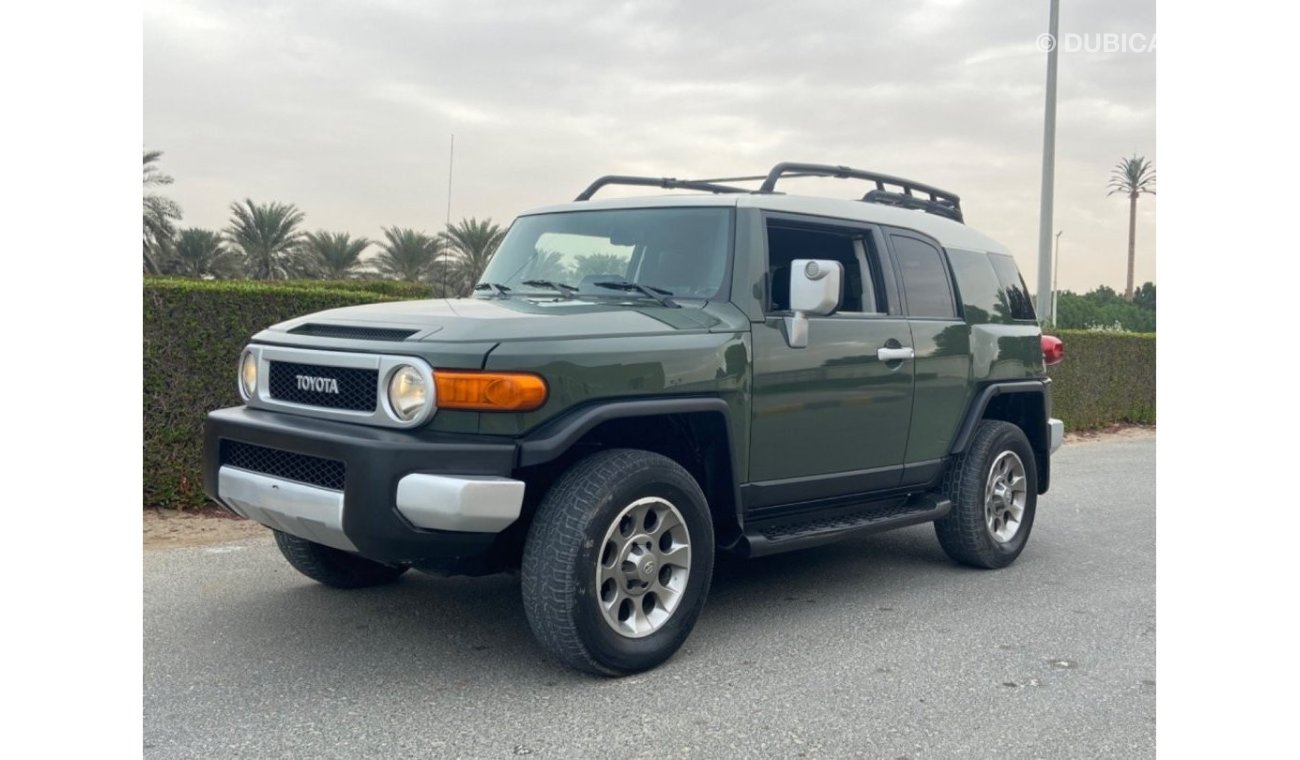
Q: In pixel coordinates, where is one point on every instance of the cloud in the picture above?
(346, 109)
(430, 102)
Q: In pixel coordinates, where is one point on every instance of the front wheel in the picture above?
(993, 487)
(618, 562)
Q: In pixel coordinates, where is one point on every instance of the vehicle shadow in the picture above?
(471, 630)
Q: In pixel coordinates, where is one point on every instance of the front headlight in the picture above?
(248, 374)
(408, 391)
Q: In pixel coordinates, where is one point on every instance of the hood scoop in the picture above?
(355, 332)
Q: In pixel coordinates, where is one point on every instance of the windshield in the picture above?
(682, 251)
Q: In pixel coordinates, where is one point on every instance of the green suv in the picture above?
(638, 384)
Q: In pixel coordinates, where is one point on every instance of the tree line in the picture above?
(1106, 309)
(268, 241)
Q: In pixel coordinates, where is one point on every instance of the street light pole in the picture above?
(1056, 273)
(1049, 170)
(1056, 265)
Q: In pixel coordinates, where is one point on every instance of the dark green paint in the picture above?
(832, 407)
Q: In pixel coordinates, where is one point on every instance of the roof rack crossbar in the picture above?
(756, 177)
(939, 202)
(938, 207)
(668, 183)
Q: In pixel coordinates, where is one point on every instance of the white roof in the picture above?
(949, 233)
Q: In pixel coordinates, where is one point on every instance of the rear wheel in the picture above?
(333, 567)
(618, 562)
(993, 487)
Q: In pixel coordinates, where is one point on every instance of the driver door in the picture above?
(830, 419)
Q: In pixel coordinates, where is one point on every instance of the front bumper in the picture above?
(406, 496)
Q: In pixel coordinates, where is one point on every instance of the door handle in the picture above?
(895, 354)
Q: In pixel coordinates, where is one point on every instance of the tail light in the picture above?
(1053, 350)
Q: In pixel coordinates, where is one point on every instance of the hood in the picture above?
(507, 319)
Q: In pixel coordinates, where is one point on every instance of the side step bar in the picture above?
(772, 538)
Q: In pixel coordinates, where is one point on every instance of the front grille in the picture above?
(326, 473)
(356, 388)
(352, 331)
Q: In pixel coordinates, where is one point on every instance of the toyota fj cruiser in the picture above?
(638, 384)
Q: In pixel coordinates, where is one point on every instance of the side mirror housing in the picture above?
(816, 286)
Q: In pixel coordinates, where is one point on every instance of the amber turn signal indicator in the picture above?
(489, 391)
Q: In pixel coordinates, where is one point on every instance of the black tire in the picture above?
(333, 567)
(565, 544)
(964, 533)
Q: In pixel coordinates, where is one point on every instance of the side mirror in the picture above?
(815, 288)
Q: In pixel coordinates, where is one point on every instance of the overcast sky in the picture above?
(345, 108)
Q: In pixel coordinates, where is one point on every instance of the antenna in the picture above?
(451, 162)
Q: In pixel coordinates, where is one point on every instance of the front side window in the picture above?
(683, 251)
(852, 247)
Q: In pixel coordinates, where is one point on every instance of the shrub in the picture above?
(193, 333)
(1106, 377)
(393, 288)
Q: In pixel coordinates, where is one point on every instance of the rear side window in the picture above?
(925, 279)
(977, 284)
(1013, 287)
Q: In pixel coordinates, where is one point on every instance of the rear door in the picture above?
(941, 340)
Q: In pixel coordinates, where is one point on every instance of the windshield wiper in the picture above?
(649, 291)
(498, 288)
(563, 287)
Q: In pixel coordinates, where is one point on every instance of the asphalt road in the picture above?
(875, 647)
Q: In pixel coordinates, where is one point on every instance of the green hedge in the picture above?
(393, 288)
(193, 333)
(1105, 378)
(194, 330)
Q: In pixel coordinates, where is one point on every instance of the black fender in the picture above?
(554, 438)
(1040, 439)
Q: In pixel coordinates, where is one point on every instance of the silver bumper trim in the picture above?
(476, 504)
(1057, 429)
(298, 509)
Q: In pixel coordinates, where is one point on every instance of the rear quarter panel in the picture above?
(1002, 348)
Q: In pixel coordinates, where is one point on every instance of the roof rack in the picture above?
(939, 202)
(668, 183)
(910, 194)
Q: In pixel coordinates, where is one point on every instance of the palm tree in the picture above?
(407, 254)
(336, 255)
(599, 263)
(549, 265)
(160, 215)
(473, 243)
(266, 235)
(202, 253)
(1132, 177)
